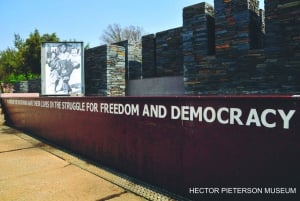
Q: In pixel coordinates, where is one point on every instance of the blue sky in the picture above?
(85, 20)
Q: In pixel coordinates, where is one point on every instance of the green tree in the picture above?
(8, 63)
(32, 51)
(18, 42)
(11, 60)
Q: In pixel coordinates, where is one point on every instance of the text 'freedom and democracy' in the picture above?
(267, 117)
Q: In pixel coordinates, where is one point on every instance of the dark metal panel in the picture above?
(220, 150)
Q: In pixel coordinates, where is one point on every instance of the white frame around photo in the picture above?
(62, 68)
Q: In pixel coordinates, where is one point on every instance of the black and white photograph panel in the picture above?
(62, 68)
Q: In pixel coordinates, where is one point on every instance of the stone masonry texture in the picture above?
(105, 71)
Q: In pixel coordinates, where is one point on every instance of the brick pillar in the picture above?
(198, 43)
(133, 59)
(282, 27)
(115, 70)
(105, 71)
(169, 52)
(148, 56)
(198, 29)
(282, 46)
(232, 19)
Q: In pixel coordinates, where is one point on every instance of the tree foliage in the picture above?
(32, 50)
(8, 63)
(115, 33)
(24, 60)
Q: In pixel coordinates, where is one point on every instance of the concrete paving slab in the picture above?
(65, 183)
(8, 139)
(26, 162)
(9, 142)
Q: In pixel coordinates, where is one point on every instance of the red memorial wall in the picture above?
(178, 143)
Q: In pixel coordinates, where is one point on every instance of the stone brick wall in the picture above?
(242, 64)
(133, 59)
(148, 56)
(282, 65)
(169, 60)
(220, 48)
(198, 43)
(237, 31)
(105, 71)
(162, 54)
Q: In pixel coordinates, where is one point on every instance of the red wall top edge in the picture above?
(247, 96)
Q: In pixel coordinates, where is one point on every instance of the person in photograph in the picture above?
(55, 70)
(68, 62)
(62, 59)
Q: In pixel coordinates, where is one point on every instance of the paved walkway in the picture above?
(32, 170)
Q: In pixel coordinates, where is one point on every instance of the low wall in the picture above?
(28, 86)
(178, 143)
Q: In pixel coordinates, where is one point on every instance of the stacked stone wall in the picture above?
(282, 65)
(198, 44)
(238, 36)
(148, 56)
(162, 54)
(133, 59)
(244, 63)
(105, 71)
(169, 58)
(220, 48)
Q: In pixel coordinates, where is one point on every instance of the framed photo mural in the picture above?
(62, 68)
